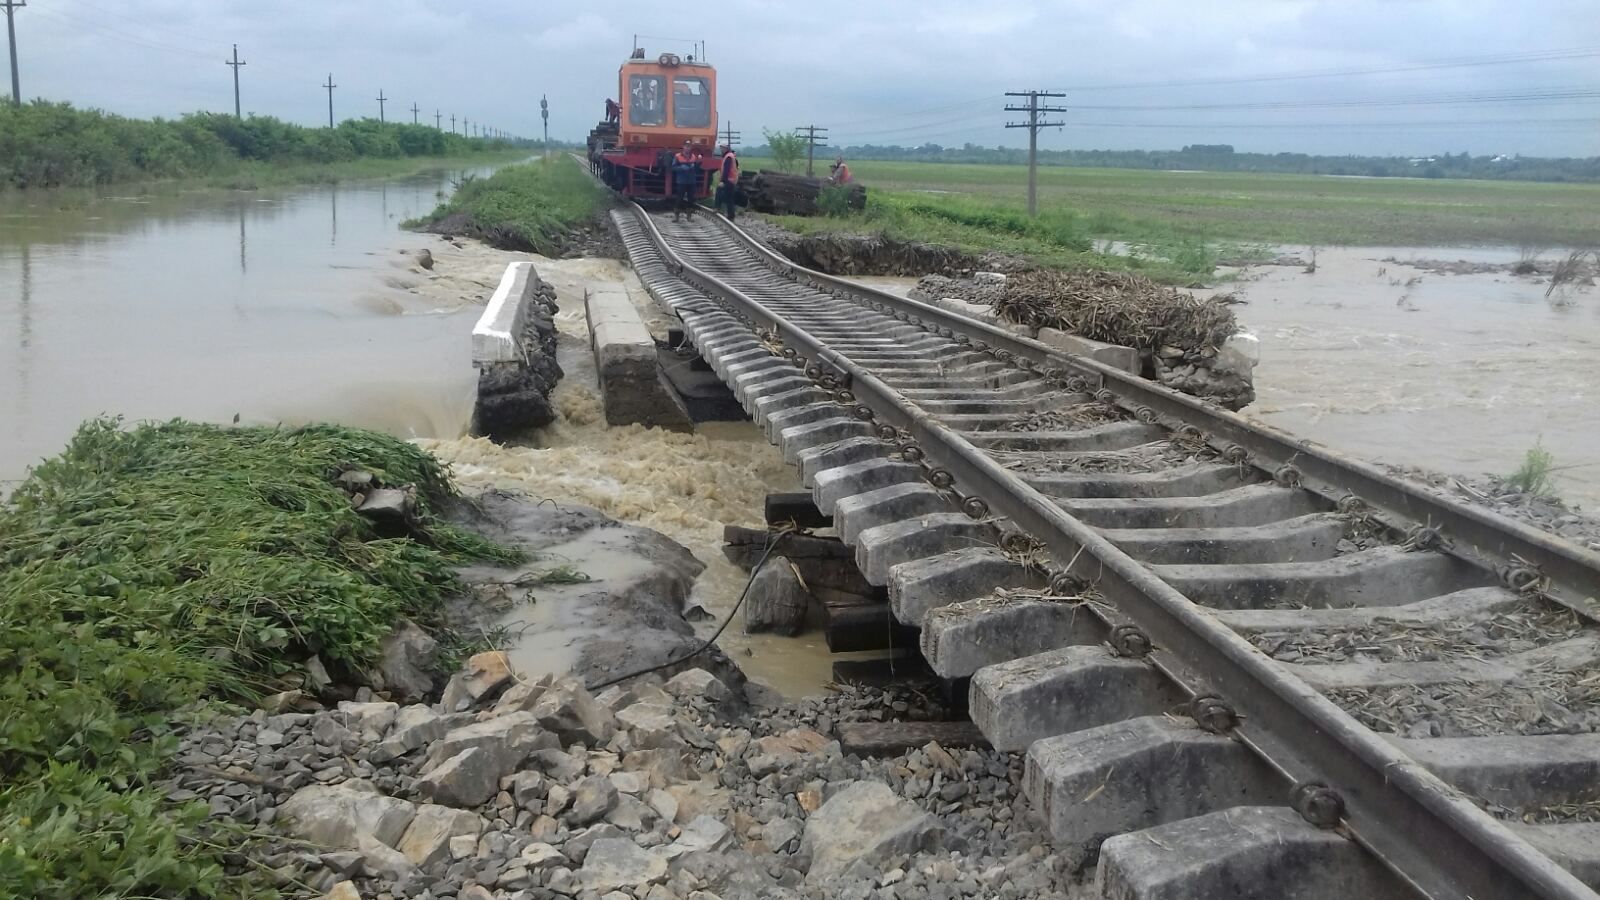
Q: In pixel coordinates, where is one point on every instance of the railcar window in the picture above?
(647, 104)
(691, 103)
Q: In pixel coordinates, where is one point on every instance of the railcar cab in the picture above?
(664, 102)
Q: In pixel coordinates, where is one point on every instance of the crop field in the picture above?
(1177, 225)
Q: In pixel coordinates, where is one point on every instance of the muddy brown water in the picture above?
(275, 305)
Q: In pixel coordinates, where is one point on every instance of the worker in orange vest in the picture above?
(685, 179)
(728, 190)
(841, 172)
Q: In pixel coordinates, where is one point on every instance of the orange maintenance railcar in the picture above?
(661, 103)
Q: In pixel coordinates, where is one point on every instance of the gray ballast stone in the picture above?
(961, 638)
(832, 485)
(1245, 853)
(1131, 775)
(917, 588)
(339, 815)
(865, 821)
(1060, 691)
(881, 548)
(614, 863)
(853, 515)
(427, 839)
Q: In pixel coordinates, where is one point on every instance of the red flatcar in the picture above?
(661, 103)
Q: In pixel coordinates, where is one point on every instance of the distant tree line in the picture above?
(45, 145)
(1223, 158)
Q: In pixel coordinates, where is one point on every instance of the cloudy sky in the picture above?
(1385, 76)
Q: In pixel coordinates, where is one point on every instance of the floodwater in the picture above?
(274, 306)
(686, 486)
(1380, 355)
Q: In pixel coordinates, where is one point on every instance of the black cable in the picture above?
(754, 571)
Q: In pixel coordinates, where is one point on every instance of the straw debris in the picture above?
(1503, 634)
(1542, 701)
(1118, 308)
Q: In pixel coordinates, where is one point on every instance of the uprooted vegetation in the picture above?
(1116, 307)
(148, 569)
(537, 207)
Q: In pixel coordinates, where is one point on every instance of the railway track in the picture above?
(1239, 664)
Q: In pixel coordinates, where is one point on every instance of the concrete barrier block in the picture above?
(633, 389)
(495, 336)
(1114, 355)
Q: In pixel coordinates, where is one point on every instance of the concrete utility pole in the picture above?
(414, 112)
(11, 34)
(813, 135)
(437, 123)
(330, 86)
(381, 98)
(235, 63)
(1033, 109)
(729, 136)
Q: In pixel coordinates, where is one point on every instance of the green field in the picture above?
(1183, 221)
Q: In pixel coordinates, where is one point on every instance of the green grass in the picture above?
(1180, 222)
(533, 207)
(1534, 475)
(144, 570)
(250, 175)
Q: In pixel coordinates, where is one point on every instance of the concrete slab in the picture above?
(832, 485)
(1062, 691)
(1114, 355)
(1245, 853)
(917, 588)
(880, 548)
(958, 639)
(633, 389)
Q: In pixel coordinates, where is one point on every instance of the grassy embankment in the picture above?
(533, 207)
(52, 145)
(145, 570)
(1180, 223)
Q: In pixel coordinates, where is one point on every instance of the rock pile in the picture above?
(651, 791)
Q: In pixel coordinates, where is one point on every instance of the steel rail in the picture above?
(1479, 537)
(1426, 832)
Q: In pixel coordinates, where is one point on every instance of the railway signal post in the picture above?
(1034, 123)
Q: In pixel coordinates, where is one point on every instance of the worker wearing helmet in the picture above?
(841, 172)
(728, 189)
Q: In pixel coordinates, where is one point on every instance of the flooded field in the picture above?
(1384, 354)
(274, 306)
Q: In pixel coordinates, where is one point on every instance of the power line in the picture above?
(1528, 95)
(11, 38)
(234, 64)
(1034, 123)
(813, 134)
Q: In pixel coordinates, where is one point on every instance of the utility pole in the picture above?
(414, 111)
(11, 34)
(381, 98)
(1033, 109)
(330, 86)
(813, 135)
(437, 116)
(729, 136)
(452, 123)
(235, 63)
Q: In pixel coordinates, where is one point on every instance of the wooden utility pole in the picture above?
(414, 111)
(813, 135)
(438, 118)
(1033, 109)
(235, 63)
(729, 136)
(330, 86)
(452, 123)
(11, 35)
(381, 98)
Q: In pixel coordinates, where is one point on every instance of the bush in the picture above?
(530, 207)
(144, 570)
(834, 200)
(44, 145)
(786, 148)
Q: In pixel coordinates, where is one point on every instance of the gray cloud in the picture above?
(894, 71)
